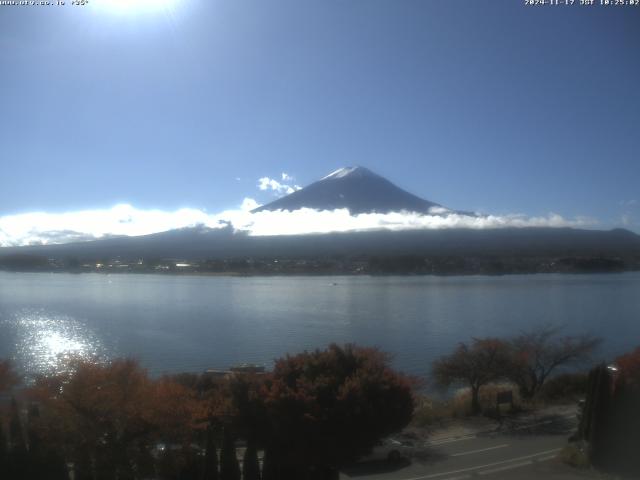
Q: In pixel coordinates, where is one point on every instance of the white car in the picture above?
(390, 450)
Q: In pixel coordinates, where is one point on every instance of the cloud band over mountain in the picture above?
(49, 228)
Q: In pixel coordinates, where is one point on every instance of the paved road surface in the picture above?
(519, 451)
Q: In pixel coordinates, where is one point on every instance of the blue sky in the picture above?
(482, 105)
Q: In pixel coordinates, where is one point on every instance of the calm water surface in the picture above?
(189, 323)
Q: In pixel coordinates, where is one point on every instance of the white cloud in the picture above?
(286, 177)
(305, 221)
(47, 228)
(629, 213)
(123, 219)
(438, 210)
(249, 204)
(266, 183)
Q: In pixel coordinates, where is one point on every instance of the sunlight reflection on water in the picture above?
(180, 323)
(44, 340)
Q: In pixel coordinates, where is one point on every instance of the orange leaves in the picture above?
(116, 411)
(348, 394)
(629, 367)
(174, 408)
(117, 402)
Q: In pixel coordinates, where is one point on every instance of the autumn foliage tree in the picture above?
(483, 361)
(250, 463)
(624, 417)
(629, 369)
(4, 451)
(527, 360)
(110, 420)
(8, 377)
(229, 466)
(107, 416)
(328, 407)
(536, 354)
(210, 469)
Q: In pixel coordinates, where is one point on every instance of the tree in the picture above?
(190, 466)
(18, 455)
(610, 419)
(210, 457)
(536, 354)
(4, 452)
(331, 406)
(269, 467)
(247, 407)
(474, 365)
(624, 415)
(629, 368)
(108, 415)
(15, 428)
(229, 467)
(250, 464)
(8, 377)
(176, 413)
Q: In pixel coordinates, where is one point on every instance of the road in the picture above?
(519, 451)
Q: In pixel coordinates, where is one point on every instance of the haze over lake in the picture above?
(190, 323)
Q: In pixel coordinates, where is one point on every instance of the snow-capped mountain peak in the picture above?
(357, 189)
(348, 171)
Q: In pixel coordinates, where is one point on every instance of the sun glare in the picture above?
(45, 339)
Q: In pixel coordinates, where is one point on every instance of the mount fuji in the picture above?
(360, 191)
(357, 189)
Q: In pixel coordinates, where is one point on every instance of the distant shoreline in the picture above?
(337, 273)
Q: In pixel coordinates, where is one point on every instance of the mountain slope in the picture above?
(360, 191)
(202, 243)
(357, 189)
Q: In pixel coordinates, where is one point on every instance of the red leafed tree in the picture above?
(629, 368)
(109, 415)
(330, 406)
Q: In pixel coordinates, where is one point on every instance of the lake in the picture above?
(190, 323)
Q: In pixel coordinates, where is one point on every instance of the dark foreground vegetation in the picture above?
(609, 432)
(526, 361)
(314, 413)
